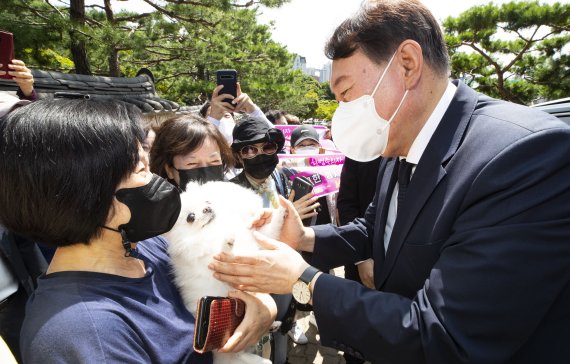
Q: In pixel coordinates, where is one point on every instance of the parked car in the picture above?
(559, 108)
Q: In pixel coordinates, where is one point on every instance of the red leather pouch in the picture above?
(216, 320)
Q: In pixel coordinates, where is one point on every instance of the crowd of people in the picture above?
(452, 218)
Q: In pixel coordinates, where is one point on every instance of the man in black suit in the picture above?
(470, 225)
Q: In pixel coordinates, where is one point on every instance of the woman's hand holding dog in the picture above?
(260, 312)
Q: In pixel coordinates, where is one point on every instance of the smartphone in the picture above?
(228, 78)
(203, 319)
(6, 52)
(301, 186)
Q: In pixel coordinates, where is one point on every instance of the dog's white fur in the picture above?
(223, 212)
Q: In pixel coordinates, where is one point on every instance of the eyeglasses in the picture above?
(251, 151)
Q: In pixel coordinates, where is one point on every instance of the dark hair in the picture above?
(204, 109)
(146, 130)
(382, 25)
(61, 162)
(182, 135)
(292, 119)
(273, 115)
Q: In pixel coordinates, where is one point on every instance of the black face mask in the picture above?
(154, 209)
(200, 175)
(261, 166)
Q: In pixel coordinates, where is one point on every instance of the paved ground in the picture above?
(313, 352)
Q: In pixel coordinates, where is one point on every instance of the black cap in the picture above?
(303, 132)
(251, 131)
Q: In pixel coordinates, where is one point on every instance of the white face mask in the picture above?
(307, 150)
(357, 129)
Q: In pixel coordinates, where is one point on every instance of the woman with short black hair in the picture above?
(75, 176)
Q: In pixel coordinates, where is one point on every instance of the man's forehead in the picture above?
(346, 69)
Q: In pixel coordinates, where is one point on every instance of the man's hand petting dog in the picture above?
(262, 219)
(274, 269)
(260, 312)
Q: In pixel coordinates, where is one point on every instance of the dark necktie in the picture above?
(404, 173)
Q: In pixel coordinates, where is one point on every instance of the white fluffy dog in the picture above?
(215, 217)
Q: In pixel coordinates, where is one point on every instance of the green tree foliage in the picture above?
(326, 109)
(183, 42)
(517, 51)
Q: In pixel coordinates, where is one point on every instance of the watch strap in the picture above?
(308, 274)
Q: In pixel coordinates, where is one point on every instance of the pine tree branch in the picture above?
(132, 17)
(175, 76)
(173, 15)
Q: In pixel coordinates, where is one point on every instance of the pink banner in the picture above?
(326, 144)
(323, 170)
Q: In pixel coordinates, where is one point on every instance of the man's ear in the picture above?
(412, 61)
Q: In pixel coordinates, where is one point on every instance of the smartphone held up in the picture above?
(227, 78)
(6, 52)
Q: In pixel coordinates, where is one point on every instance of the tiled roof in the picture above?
(139, 90)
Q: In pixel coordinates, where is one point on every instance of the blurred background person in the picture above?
(149, 136)
(255, 145)
(9, 103)
(305, 140)
(276, 117)
(21, 263)
(292, 119)
(188, 148)
(223, 114)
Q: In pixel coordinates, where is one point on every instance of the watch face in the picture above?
(301, 292)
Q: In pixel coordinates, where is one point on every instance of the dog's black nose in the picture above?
(191, 217)
(207, 210)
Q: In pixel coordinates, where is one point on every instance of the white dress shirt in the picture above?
(416, 150)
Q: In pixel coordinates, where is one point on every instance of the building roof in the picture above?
(139, 90)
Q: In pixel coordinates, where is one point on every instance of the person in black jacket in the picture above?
(21, 263)
(255, 146)
(305, 140)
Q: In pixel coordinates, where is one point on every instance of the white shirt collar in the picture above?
(420, 143)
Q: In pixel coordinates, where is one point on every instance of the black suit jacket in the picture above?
(24, 258)
(478, 266)
(357, 188)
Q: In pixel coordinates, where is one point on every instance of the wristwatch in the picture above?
(301, 290)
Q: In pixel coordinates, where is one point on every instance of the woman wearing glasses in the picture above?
(255, 146)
